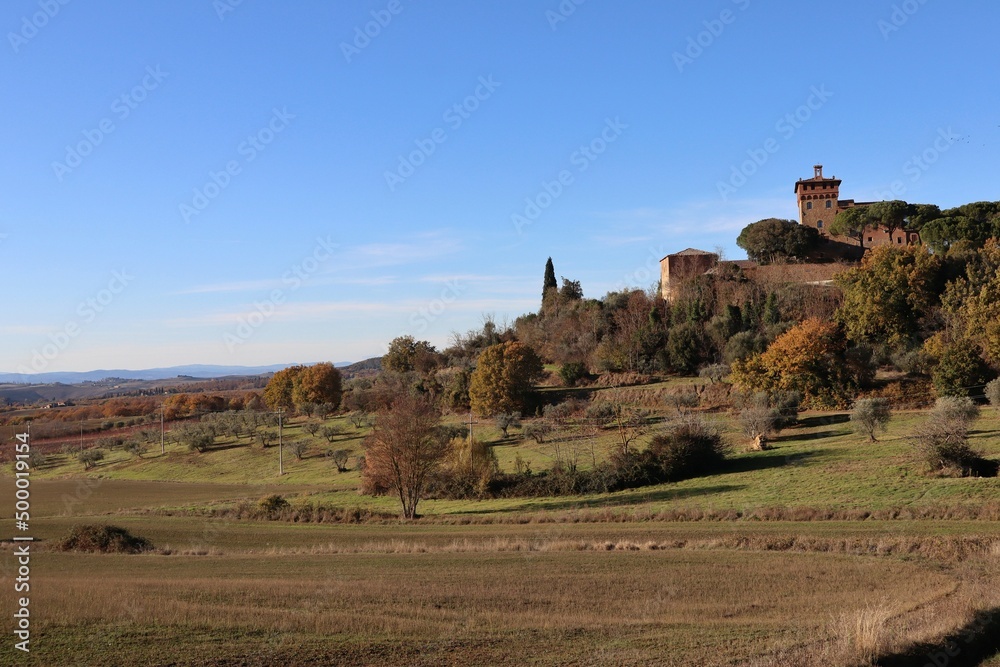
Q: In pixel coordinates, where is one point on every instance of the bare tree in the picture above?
(404, 449)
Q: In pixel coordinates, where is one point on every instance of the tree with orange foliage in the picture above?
(317, 384)
(811, 358)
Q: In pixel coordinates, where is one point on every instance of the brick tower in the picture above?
(818, 200)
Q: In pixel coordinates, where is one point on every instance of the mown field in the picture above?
(826, 550)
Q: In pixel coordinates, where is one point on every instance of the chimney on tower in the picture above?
(818, 171)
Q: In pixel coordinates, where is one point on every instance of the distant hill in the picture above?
(199, 371)
(362, 368)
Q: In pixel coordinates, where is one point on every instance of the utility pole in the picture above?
(161, 430)
(281, 466)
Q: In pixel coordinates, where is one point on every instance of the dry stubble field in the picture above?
(597, 581)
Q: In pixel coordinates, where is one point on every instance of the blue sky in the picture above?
(259, 182)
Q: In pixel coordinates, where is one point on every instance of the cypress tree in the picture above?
(550, 279)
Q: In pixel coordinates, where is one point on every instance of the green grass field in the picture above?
(740, 567)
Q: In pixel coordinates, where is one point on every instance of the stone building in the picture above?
(818, 201)
(691, 263)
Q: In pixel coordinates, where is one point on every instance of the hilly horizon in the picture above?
(200, 371)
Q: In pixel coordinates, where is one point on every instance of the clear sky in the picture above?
(255, 182)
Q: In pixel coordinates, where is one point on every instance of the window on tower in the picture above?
(829, 204)
(819, 224)
(809, 205)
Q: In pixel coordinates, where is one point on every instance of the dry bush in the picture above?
(864, 632)
(101, 538)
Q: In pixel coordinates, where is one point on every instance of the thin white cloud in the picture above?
(360, 258)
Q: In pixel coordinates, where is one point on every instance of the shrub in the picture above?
(682, 399)
(559, 413)
(714, 372)
(993, 392)
(453, 431)
(758, 423)
(600, 413)
(36, 459)
(537, 431)
(90, 457)
(299, 449)
(360, 418)
(339, 457)
(331, 433)
(787, 403)
(870, 415)
(468, 472)
(311, 427)
(273, 504)
(136, 447)
(945, 447)
(691, 447)
(507, 420)
(943, 440)
(955, 409)
(103, 539)
(572, 372)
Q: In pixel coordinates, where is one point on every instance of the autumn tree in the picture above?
(279, 389)
(770, 240)
(504, 376)
(404, 449)
(812, 358)
(297, 385)
(971, 302)
(317, 384)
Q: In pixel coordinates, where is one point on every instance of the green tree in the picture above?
(505, 374)
(891, 294)
(888, 215)
(549, 281)
(407, 354)
(570, 290)
(961, 370)
(871, 415)
(770, 240)
(852, 223)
